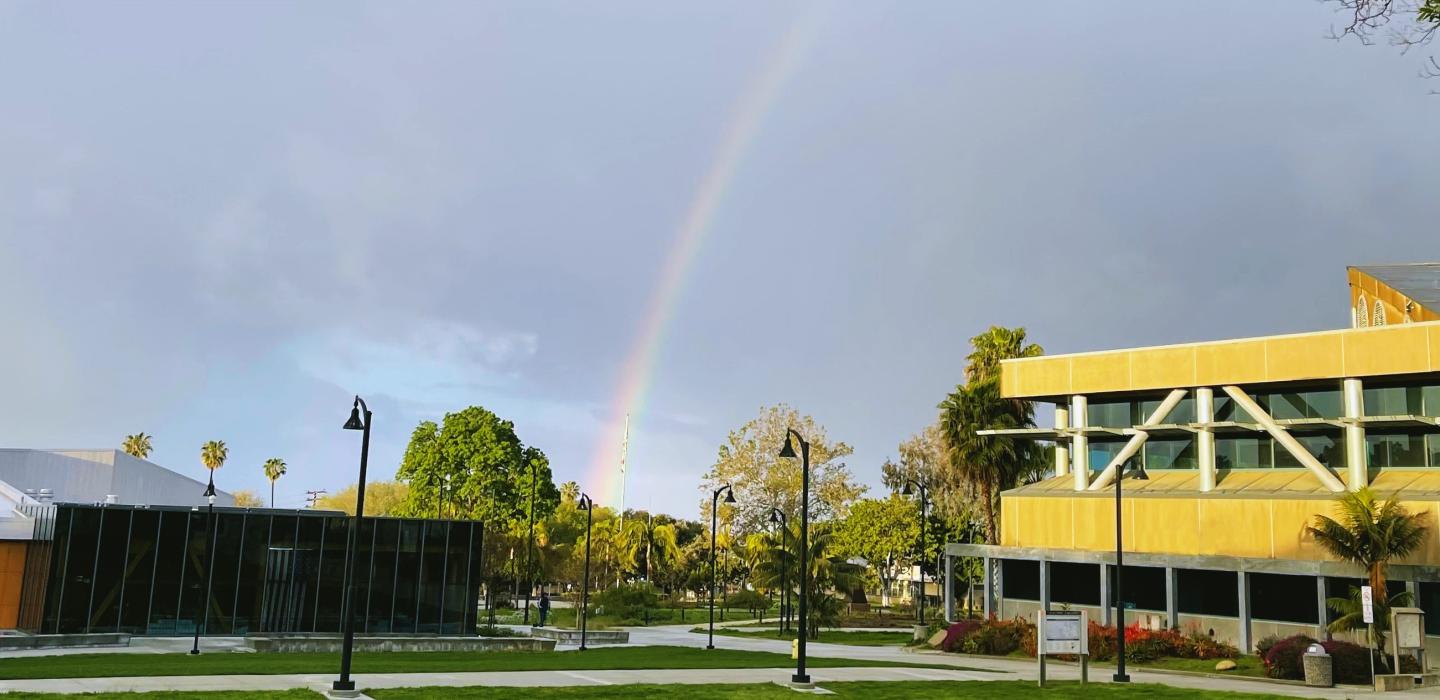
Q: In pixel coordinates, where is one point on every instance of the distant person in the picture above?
(544, 607)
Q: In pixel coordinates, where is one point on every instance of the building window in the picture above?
(1283, 598)
(1144, 587)
(1184, 412)
(1020, 579)
(1378, 319)
(1326, 403)
(1329, 449)
(1102, 452)
(1170, 454)
(1395, 450)
(1362, 312)
(1113, 414)
(1394, 401)
(1207, 592)
(1243, 453)
(1077, 584)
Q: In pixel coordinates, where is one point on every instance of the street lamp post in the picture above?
(714, 512)
(530, 547)
(777, 516)
(209, 567)
(924, 493)
(588, 506)
(788, 452)
(1120, 675)
(345, 683)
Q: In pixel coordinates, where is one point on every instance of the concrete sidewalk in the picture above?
(527, 679)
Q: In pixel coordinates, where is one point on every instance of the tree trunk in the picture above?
(985, 493)
(272, 494)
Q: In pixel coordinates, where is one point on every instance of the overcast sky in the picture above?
(221, 220)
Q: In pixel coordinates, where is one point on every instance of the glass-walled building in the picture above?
(149, 570)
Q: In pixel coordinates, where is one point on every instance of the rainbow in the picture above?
(605, 476)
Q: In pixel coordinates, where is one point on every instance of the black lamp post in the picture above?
(530, 547)
(1139, 472)
(209, 567)
(344, 683)
(924, 493)
(714, 512)
(788, 452)
(777, 516)
(588, 506)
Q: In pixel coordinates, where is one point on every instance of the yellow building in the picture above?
(1230, 448)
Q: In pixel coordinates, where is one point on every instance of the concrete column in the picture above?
(1172, 598)
(1242, 591)
(1107, 606)
(949, 588)
(999, 588)
(988, 598)
(1357, 472)
(1044, 584)
(1322, 609)
(1205, 438)
(1079, 419)
(1062, 448)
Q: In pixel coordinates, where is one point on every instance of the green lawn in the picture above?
(904, 690)
(859, 639)
(1244, 666)
(108, 665)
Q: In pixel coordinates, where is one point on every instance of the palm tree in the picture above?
(274, 469)
(992, 463)
(1369, 534)
(827, 574)
(213, 455)
(137, 445)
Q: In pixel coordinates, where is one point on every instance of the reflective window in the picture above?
(1117, 414)
(169, 560)
(1395, 450)
(109, 562)
(407, 600)
(1184, 412)
(80, 569)
(457, 567)
(1102, 452)
(1242, 453)
(192, 574)
(383, 572)
(1329, 449)
(1304, 404)
(1170, 454)
(250, 577)
(220, 606)
(432, 576)
(1394, 401)
(332, 573)
(1227, 410)
(139, 571)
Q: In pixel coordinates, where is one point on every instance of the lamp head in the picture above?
(788, 451)
(354, 423)
(1137, 470)
(906, 490)
(584, 503)
(729, 494)
(775, 516)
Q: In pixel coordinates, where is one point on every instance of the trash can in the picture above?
(921, 632)
(1318, 667)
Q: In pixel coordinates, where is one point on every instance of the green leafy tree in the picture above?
(749, 461)
(992, 463)
(884, 532)
(1370, 534)
(382, 498)
(137, 445)
(829, 574)
(274, 469)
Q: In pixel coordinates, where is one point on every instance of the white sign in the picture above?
(1367, 603)
(1064, 632)
(1409, 629)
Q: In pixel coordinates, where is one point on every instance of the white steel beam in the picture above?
(1285, 439)
(1137, 440)
(1357, 471)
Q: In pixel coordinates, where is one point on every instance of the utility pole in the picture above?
(313, 497)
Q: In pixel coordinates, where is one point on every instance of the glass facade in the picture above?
(165, 570)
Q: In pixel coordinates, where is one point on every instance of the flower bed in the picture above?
(998, 637)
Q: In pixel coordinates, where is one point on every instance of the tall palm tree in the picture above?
(1369, 534)
(213, 455)
(992, 463)
(274, 469)
(137, 445)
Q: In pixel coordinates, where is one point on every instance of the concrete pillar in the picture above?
(1107, 606)
(1044, 584)
(1322, 610)
(1079, 419)
(988, 602)
(999, 588)
(949, 588)
(1357, 472)
(1172, 598)
(1062, 448)
(1205, 437)
(1246, 641)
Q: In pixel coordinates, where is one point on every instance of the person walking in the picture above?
(544, 608)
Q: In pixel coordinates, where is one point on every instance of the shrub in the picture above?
(628, 601)
(1262, 647)
(749, 600)
(957, 633)
(1350, 663)
(997, 637)
(1285, 658)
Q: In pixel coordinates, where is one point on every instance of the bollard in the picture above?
(794, 649)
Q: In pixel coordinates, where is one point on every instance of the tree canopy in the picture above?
(749, 461)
